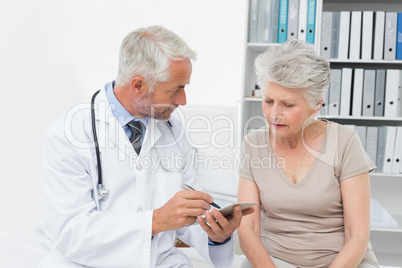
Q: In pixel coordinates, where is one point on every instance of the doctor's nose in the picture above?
(180, 98)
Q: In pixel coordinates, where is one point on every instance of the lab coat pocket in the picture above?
(168, 185)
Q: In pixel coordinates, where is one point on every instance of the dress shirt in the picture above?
(121, 114)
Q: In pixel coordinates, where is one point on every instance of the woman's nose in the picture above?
(276, 114)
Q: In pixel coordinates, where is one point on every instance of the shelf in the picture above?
(387, 175)
(261, 47)
(394, 62)
(353, 120)
(367, 64)
(253, 99)
(364, 120)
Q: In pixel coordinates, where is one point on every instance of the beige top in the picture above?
(303, 223)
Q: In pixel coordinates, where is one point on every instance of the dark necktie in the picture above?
(136, 128)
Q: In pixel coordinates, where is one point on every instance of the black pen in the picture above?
(189, 188)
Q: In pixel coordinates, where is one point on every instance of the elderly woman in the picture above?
(315, 195)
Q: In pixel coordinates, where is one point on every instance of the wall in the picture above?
(56, 53)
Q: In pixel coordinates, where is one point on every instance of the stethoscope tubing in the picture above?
(96, 137)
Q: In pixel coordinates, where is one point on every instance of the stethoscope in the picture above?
(103, 192)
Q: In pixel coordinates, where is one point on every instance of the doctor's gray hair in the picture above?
(295, 65)
(147, 52)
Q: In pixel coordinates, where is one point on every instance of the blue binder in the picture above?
(283, 21)
(399, 38)
(310, 21)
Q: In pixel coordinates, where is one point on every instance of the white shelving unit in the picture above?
(385, 188)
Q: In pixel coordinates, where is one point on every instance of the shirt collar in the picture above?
(121, 114)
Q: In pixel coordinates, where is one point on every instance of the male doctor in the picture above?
(144, 160)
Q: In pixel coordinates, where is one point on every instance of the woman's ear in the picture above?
(317, 108)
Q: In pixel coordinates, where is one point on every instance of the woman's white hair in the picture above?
(147, 52)
(295, 65)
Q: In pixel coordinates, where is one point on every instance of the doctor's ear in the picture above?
(138, 85)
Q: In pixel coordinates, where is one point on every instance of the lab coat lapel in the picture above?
(152, 135)
(110, 132)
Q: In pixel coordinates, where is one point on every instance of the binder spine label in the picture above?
(283, 20)
(399, 38)
(310, 21)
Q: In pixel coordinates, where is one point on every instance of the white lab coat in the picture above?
(79, 231)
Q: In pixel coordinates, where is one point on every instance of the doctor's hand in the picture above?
(182, 209)
(220, 228)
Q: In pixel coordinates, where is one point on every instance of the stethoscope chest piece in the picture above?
(103, 192)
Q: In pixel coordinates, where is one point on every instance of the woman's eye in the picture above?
(288, 105)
